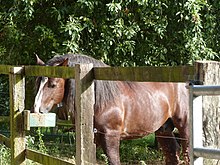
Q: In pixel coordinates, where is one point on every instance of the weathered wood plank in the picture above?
(44, 158)
(27, 120)
(155, 74)
(4, 119)
(5, 140)
(84, 100)
(50, 71)
(5, 69)
(67, 123)
(42, 120)
(162, 74)
(39, 120)
(17, 96)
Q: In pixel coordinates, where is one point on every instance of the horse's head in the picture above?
(50, 91)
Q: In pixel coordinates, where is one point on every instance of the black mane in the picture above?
(104, 90)
(76, 59)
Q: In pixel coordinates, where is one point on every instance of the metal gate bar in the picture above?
(209, 153)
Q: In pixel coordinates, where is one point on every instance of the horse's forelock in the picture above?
(104, 90)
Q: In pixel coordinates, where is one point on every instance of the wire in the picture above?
(136, 135)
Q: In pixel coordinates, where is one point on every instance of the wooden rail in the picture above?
(59, 122)
(5, 69)
(50, 71)
(4, 119)
(5, 140)
(154, 74)
(161, 74)
(45, 158)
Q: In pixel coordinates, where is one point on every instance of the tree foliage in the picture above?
(122, 33)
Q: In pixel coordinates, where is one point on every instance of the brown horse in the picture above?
(123, 109)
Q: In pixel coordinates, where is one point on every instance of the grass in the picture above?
(139, 151)
(5, 155)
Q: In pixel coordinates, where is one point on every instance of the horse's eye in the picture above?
(52, 85)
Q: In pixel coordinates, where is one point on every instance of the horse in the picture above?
(123, 109)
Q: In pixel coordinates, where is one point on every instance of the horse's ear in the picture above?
(39, 61)
(64, 63)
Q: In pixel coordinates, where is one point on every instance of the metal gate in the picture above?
(197, 151)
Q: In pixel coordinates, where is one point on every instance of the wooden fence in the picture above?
(84, 76)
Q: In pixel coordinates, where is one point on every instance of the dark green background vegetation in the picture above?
(122, 33)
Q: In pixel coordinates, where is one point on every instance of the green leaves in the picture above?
(194, 33)
(5, 156)
(29, 8)
(126, 33)
(74, 29)
(114, 8)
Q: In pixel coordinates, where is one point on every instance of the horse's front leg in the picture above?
(169, 146)
(184, 135)
(110, 144)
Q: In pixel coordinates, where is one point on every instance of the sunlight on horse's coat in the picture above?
(38, 98)
(124, 109)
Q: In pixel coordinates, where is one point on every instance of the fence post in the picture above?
(208, 73)
(17, 97)
(84, 101)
